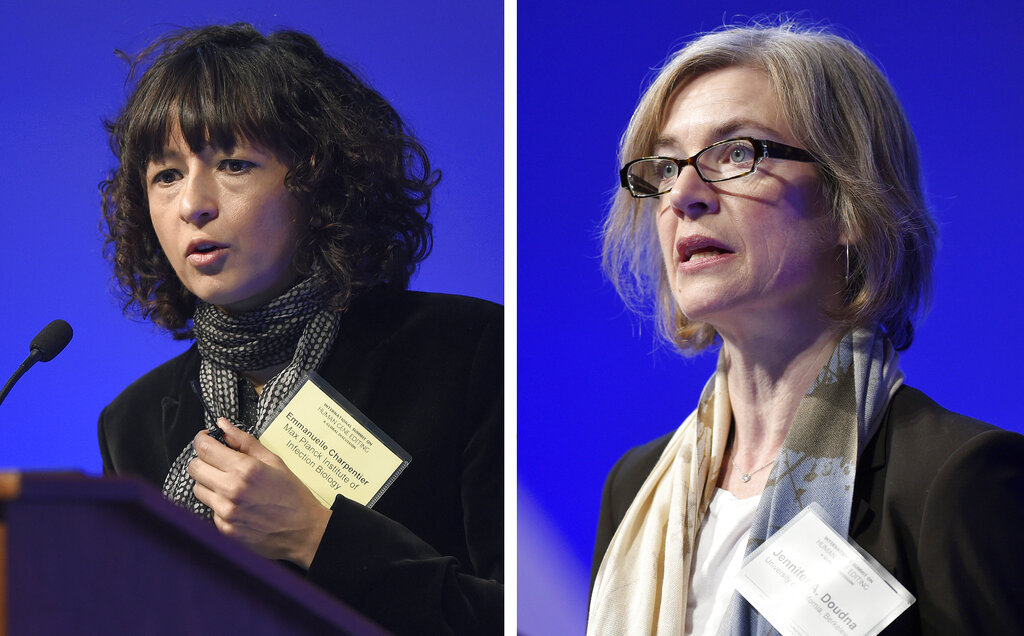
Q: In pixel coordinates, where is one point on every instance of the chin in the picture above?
(226, 299)
(702, 306)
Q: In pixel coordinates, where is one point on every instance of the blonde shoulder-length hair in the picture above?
(844, 112)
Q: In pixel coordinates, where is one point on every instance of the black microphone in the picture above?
(45, 346)
(51, 340)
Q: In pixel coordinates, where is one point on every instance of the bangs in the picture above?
(360, 177)
(215, 97)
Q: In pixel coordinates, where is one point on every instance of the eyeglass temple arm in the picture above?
(782, 151)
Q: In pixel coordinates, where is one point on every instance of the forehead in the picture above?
(198, 120)
(177, 144)
(719, 104)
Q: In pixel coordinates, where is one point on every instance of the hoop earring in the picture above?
(847, 262)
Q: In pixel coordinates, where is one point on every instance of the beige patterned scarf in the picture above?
(642, 584)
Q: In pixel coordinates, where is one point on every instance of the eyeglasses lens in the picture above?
(721, 161)
(727, 160)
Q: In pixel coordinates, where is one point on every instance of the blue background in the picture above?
(591, 382)
(440, 65)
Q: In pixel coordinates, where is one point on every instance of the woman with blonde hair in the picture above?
(770, 204)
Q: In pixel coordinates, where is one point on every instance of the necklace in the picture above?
(746, 476)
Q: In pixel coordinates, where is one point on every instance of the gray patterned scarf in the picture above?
(293, 328)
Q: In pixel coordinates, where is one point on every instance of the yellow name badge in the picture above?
(332, 447)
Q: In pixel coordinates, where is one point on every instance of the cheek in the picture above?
(163, 231)
(280, 230)
(293, 221)
(801, 197)
(790, 217)
(793, 255)
(665, 225)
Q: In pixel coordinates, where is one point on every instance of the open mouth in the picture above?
(696, 248)
(701, 253)
(202, 253)
(203, 247)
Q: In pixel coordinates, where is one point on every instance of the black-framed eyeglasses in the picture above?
(729, 159)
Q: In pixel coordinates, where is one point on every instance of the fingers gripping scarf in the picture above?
(642, 584)
(293, 327)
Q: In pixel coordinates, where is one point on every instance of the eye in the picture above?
(236, 166)
(666, 170)
(165, 177)
(741, 153)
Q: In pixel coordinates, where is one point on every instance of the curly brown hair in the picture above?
(355, 168)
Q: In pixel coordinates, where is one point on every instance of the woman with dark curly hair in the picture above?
(272, 206)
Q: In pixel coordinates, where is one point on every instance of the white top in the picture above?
(721, 541)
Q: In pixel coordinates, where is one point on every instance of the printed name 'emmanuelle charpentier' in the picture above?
(330, 451)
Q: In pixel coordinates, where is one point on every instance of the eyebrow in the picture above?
(167, 154)
(163, 156)
(721, 132)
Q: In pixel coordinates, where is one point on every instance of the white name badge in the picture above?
(332, 447)
(807, 580)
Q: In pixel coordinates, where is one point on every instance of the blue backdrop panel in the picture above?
(439, 63)
(591, 383)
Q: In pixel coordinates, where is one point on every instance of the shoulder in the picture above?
(620, 488)
(627, 476)
(420, 329)
(920, 444)
(397, 310)
(913, 411)
(939, 500)
(146, 392)
(631, 470)
(133, 428)
(928, 439)
(952, 456)
(448, 304)
(412, 357)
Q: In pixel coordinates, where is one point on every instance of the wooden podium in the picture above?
(81, 555)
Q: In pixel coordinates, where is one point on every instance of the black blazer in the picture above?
(938, 501)
(426, 369)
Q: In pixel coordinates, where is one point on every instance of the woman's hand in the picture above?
(255, 498)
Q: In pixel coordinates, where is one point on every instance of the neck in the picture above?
(260, 378)
(767, 376)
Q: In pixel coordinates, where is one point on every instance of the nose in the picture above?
(692, 196)
(198, 204)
